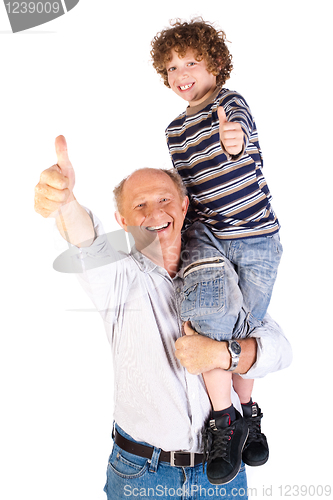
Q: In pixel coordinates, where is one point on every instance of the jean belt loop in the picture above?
(154, 460)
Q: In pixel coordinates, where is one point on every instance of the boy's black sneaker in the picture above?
(256, 448)
(223, 444)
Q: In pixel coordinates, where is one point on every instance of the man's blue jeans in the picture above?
(131, 476)
(224, 278)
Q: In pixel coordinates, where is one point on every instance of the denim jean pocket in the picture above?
(126, 465)
(203, 290)
(275, 245)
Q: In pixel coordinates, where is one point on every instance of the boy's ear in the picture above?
(219, 65)
(121, 220)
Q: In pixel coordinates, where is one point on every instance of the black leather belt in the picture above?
(174, 458)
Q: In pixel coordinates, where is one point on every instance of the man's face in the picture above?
(190, 78)
(152, 210)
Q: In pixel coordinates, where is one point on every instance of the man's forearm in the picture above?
(266, 351)
(219, 356)
(200, 354)
(75, 225)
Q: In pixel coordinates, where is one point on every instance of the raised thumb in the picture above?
(188, 330)
(63, 160)
(221, 114)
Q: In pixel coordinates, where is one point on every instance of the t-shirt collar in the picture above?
(192, 110)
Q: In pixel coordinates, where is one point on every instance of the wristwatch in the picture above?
(235, 349)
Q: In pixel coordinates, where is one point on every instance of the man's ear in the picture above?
(121, 220)
(185, 204)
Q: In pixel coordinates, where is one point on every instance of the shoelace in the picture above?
(254, 424)
(221, 438)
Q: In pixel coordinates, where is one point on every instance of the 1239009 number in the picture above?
(305, 490)
(32, 7)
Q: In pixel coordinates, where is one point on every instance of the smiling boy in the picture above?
(214, 147)
(189, 78)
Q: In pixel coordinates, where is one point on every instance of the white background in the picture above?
(88, 75)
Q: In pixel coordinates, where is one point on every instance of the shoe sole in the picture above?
(228, 479)
(256, 464)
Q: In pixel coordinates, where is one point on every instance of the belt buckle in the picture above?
(172, 458)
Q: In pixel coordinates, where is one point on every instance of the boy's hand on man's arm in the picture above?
(54, 198)
(231, 134)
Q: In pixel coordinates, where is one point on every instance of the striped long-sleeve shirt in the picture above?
(228, 194)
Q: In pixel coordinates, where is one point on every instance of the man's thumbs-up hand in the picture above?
(54, 198)
(231, 133)
(63, 161)
(55, 187)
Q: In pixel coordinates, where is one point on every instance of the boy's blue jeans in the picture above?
(224, 278)
(131, 476)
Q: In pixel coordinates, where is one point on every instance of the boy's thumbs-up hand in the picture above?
(231, 133)
(55, 187)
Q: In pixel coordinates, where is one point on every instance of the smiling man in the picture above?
(160, 408)
(153, 205)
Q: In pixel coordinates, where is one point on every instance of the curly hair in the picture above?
(173, 174)
(198, 35)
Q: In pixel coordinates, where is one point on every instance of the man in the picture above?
(160, 408)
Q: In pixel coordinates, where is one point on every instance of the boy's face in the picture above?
(190, 78)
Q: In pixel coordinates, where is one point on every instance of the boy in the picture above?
(214, 147)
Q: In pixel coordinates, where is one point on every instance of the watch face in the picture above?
(236, 347)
